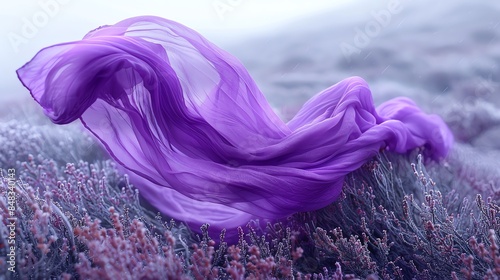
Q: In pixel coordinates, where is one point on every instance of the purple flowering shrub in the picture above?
(397, 218)
(396, 222)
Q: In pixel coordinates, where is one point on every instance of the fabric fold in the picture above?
(198, 137)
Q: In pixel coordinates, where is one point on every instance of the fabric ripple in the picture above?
(198, 137)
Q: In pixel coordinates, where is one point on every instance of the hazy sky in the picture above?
(26, 26)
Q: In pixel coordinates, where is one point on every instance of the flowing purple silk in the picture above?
(201, 142)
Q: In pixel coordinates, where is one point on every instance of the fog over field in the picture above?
(444, 56)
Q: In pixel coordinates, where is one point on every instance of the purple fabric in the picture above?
(200, 139)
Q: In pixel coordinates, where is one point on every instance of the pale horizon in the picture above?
(33, 25)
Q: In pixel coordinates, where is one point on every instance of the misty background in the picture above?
(443, 55)
(26, 26)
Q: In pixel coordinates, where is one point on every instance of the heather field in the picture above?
(77, 216)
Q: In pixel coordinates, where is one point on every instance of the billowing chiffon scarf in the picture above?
(198, 137)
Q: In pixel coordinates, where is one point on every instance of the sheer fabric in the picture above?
(201, 142)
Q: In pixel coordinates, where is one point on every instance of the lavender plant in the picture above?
(398, 218)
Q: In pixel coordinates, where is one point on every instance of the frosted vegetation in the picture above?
(399, 217)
